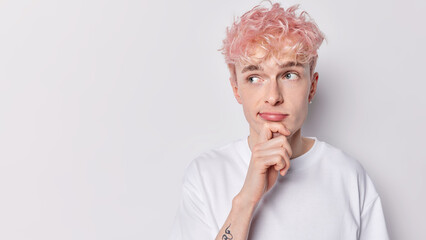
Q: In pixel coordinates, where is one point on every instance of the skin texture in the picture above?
(273, 143)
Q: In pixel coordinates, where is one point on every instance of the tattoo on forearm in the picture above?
(227, 235)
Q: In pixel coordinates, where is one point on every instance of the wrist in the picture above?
(240, 202)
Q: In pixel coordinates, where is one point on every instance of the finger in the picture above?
(276, 150)
(287, 165)
(277, 161)
(285, 144)
(277, 142)
(279, 167)
(272, 129)
(283, 172)
(265, 133)
(280, 164)
(282, 141)
(278, 128)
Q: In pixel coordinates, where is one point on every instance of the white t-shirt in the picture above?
(326, 194)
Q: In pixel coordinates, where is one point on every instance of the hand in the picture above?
(269, 156)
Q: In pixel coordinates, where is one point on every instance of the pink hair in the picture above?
(274, 30)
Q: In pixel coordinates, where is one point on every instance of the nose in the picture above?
(273, 94)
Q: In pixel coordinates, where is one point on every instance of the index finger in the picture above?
(273, 129)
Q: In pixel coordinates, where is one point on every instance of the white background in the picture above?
(104, 103)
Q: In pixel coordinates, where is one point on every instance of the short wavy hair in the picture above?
(272, 30)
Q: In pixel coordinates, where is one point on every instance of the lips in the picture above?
(275, 117)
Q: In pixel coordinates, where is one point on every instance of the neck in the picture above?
(298, 144)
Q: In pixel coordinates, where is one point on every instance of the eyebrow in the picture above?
(257, 67)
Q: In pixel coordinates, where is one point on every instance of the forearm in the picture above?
(237, 224)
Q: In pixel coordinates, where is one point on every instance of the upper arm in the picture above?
(373, 224)
(192, 220)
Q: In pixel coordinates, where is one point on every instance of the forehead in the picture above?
(261, 60)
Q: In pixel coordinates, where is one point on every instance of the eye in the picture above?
(253, 79)
(291, 76)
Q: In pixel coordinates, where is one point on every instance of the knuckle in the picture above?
(290, 153)
(283, 162)
(272, 160)
(283, 152)
(278, 160)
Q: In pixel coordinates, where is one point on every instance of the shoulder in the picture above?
(216, 159)
(341, 160)
(351, 170)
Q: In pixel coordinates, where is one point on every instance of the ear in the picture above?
(234, 83)
(313, 90)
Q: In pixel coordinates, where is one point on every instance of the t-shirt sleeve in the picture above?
(373, 224)
(192, 220)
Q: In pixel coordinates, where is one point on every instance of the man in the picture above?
(276, 184)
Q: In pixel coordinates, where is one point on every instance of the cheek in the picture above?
(299, 116)
(299, 105)
(249, 105)
(300, 92)
(249, 102)
(247, 95)
(302, 111)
